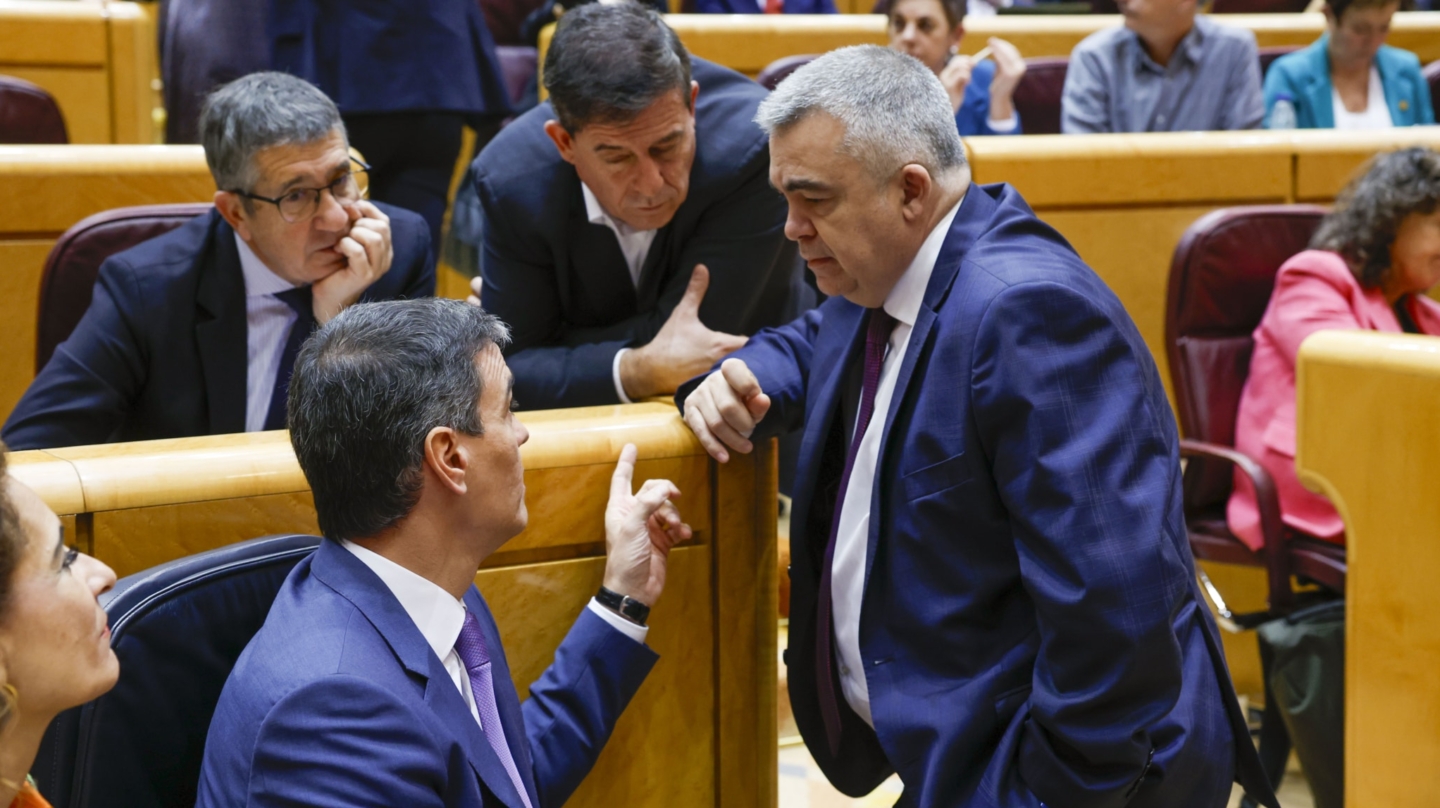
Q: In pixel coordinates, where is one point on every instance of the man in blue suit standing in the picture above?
(991, 591)
(378, 678)
(600, 204)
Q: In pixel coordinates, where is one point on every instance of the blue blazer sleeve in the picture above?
(1279, 79)
(973, 117)
(85, 391)
(313, 747)
(1084, 466)
(573, 707)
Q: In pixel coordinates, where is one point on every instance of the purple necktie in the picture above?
(877, 337)
(476, 657)
(300, 301)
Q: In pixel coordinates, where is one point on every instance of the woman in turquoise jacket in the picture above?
(1349, 78)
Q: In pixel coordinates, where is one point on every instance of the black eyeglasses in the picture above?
(302, 203)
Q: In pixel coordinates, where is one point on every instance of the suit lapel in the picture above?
(848, 321)
(970, 222)
(220, 331)
(339, 569)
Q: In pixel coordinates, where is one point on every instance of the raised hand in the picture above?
(956, 77)
(683, 349)
(1009, 70)
(368, 253)
(640, 529)
(724, 410)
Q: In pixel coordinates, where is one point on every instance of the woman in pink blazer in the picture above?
(1371, 261)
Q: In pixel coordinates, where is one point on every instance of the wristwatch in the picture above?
(627, 607)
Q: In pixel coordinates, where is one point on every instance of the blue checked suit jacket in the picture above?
(338, 701)
(1031, 629)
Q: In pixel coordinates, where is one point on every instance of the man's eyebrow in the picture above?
(333, 172)
(801, 184)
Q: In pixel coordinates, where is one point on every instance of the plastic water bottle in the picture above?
(1282, 113)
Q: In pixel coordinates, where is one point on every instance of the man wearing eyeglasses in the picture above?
(195, 332)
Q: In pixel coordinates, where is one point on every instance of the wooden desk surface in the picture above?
(1368, 438)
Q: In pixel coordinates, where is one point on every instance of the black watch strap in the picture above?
(627, 607)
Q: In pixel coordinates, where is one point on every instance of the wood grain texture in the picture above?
(55, 480)
(48, 33)
(81, 91)
(1368, 439)
(134, 64)
(20, 264)
(663, 750)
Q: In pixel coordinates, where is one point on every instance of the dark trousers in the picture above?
(412, 157)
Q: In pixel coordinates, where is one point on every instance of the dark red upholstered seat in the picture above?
(1431, 72)
(1221, 279)
(778, 70)
(28, 114)
(1258, 6)
(1269, 55)
(1037, 98)
(517, 66)
(74, 262)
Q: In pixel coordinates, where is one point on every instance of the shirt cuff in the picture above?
(620, 624)
(615, 374)
(1007, 125)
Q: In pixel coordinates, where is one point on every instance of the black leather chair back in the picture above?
(178, 629)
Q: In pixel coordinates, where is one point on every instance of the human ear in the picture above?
(916, 188)
(562, 139)
(446, 459)
(232, 209)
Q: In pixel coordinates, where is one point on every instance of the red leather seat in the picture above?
(74, 262)
(28, 114)
(1269, 55)
(1221, 279)
(1037, 97)
(778, 70)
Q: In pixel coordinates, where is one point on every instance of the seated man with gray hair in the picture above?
(991, 591)
(195, 332)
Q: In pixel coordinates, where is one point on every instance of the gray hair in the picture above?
(1368, 212)
(366, 390)
(895, 111)
(256, 112)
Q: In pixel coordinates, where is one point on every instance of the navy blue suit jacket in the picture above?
(161, 352)
(562, 283)
(339, 701)
(1031, 627)
(391, 55)
(752, 7)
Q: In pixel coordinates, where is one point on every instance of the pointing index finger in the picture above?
(621, 482)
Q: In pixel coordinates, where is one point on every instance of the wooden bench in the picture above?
(97, 58)
(1368, 438)
(701, 731)
(749, 42)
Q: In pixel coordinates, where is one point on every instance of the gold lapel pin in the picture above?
(1404, 105)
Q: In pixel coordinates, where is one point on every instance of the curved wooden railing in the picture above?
(701, 731)
(1368, 438)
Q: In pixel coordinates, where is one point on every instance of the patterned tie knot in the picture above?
(470, 645)
(881, 326)
(300, 300)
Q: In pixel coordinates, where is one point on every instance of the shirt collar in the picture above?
(437, 614)
(909, 293)
(259, 279)
(1191, 47)
(595, 212)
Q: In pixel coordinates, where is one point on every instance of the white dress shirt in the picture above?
(1376, 114)
(847, 572)
(635, 246)
(268, 320)
(439, 616)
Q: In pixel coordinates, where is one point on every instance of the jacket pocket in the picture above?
(936, 477)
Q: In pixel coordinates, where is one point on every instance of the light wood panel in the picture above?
(97, 58)
(749, 42)
(1367, 438)
(701, 731)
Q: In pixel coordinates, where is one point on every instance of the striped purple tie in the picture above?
(476, 657)
(877, 337)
